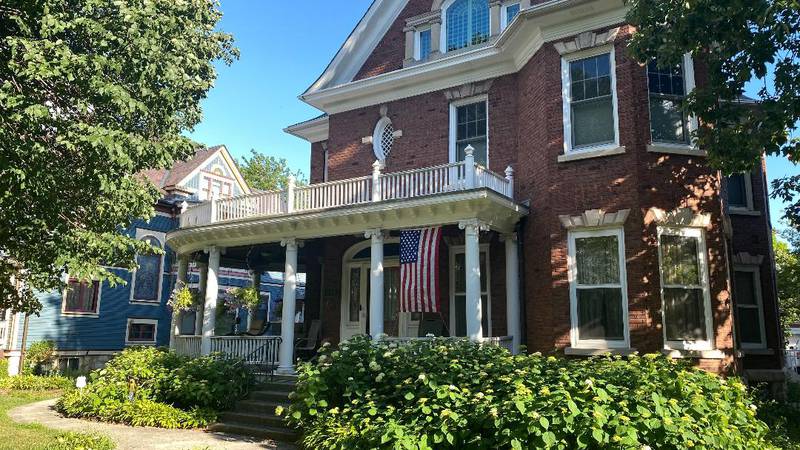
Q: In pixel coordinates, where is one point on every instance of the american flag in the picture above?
(419, 270)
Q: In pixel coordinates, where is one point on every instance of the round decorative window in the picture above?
(383, 138)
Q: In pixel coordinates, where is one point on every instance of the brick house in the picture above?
(577, 217)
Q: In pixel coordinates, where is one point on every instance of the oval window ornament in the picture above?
(383, 138)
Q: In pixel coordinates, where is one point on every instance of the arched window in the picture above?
(383, 138)
(467, 23)
(147, 280)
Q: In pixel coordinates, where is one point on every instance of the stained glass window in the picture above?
(467, 23)
(148, 275)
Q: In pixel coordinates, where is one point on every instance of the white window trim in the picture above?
(206, 176)
(619, 233)
(417, 42)
(141, 233)
(94, 315)
(756, 271)
(153, 322)
(566, 98)
(377, 140)
(691, 148)
(748, 193)
(453, 118)
(504, 14)
(704, 281)
(459, 249)
(443, 31)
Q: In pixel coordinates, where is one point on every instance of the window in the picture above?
(667, 88)
(749, 309)
(81, 297)
(69, 365)
(509, 12)
(147, 277)
(740, 192)
(684, 289)
(590, 103)
(141, 331)
(468, 126)
(466, 23)
(423, 44)
(458, 291)
(599, 305)
(383, 138)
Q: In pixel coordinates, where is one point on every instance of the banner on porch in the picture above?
(419, 270)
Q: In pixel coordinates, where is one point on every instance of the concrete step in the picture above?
(270, 395)
(260, 406)
(253, 418)
(261, 431)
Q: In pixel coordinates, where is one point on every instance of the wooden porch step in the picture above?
(261, 431)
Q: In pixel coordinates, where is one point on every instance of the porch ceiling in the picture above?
(499, 212)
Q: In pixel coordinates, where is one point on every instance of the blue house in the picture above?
(89, 322)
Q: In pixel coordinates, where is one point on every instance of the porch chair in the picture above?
(308, 345)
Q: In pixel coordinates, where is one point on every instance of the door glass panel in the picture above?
(461, 315)
(355, 294)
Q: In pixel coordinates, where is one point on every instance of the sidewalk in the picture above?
(145, 438)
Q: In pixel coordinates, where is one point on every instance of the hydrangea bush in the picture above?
(453, 394)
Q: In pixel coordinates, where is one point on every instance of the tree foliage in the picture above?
(787, 264)
(267, 173)
(736, 41)
(92, 92)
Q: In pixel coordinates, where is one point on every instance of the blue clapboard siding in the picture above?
(107, 332)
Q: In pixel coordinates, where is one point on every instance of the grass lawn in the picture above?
(17, 436)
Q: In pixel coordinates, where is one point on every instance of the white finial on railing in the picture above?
(184, 206)
(469, 166)
(213, 207)
(290, 185)
(510, 179)
(376, 180)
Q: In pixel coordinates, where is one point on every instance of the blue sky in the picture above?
(256, 97)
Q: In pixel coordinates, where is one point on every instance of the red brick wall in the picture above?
(316, 171)
(526, 131)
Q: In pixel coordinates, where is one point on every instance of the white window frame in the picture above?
(461, 249)
(454, 117)
(689, 85)
(504, 14)
(443, 31)
(66, 313)
(748, 193)
(619, 233)
(418, 41)
(702, 259)
(756, 271)
(142, 233)
(566, 97)
(153, 322)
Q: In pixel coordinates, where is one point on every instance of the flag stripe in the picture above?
(419, 270)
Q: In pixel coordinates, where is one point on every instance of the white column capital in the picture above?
(376, 234)
(214, 249)
(291, 242)
(509, 237)
(473, 225)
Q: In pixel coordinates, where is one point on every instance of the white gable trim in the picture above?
(226, 156)
(360, 44)
(506, 54)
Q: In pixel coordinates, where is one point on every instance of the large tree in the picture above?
(787, 263)
(738, 41)
(92, 92)
(267, 173)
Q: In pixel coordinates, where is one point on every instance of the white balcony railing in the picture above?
(252, 349)
(187, 345)
(409, 184)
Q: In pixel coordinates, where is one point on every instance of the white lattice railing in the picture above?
(188, 345)
(405, 185)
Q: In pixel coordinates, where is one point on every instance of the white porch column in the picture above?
(376, 283)
(512, 292)
(472, 263)
(211, 294)
(181, 282)
(201, 290)
(286, 351)
(256, 276)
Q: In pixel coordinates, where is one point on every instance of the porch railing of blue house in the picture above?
(441, 179)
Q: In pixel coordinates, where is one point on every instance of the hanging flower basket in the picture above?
(242, 297)
(183, 299)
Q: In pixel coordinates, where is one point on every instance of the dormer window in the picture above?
(466, 23)
(510, 11)
(423, 45)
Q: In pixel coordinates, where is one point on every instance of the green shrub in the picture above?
(147, 386)
(83, 441)
(783, 421)
(447, 394)
(36, 383)
(39, 358)
(3, 368)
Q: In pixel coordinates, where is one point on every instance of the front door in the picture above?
(355, 302)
